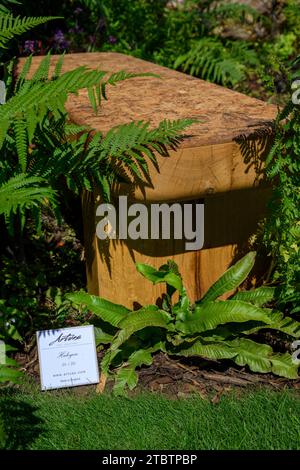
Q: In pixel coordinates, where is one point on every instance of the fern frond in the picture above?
(119, 77)
(210, 59)
(36, 97)
(41, 74)
(23, 192)
(58, 67)
(21, 142)
(124, 148)
(24, 72)
(11, 26)
(34, 100)
(237, 11)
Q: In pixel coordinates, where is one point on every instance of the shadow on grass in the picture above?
(21, 425)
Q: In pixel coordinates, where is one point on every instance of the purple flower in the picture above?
(112, 39)
(59, 40)
(29, 46)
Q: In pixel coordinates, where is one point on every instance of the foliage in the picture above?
(217, 61)
(32, 292)
(11, 26)
(211, 328)
(8, 367)
(38, 157)
(179, 35)
(282, 227)
(230, 43)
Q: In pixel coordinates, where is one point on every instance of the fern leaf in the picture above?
(11, 26)
(21, 142)
(22, 192)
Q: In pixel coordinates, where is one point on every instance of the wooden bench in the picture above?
(218, 163)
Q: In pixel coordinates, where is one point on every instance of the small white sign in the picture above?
(67, 357)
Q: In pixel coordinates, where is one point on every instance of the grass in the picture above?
(63, 420)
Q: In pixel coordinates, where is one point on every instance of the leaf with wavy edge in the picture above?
(260, 358)
(106, 310)
(256, 356)
(127, 376)
(147, 316)
(282, 364)
(156, 276)
(231, 279)
(211, 314)
(213, 351)
(278, 322)
(258, 297)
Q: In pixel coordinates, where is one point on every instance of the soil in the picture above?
(179, 378)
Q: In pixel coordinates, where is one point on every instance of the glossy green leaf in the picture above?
(101, 337)
(127, 376)
(259, 296)
(106, 310)
(209, 315)
(283, 365)
(148, 316)
(231, 279)
(213, 351)
(256, 356)
(157, 276)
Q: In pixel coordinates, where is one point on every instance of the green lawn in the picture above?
(66, 420)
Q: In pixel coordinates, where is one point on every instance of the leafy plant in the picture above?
(217, 61)
(11, 26)
(39, 159)
(211, 328)
(282, 227)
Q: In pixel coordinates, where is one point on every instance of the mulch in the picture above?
(178, 378)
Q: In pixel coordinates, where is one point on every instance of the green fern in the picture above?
(11, 26)
(211, 59)
(235, 11)
(22, 192)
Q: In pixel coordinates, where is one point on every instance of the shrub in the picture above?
(282, 227)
